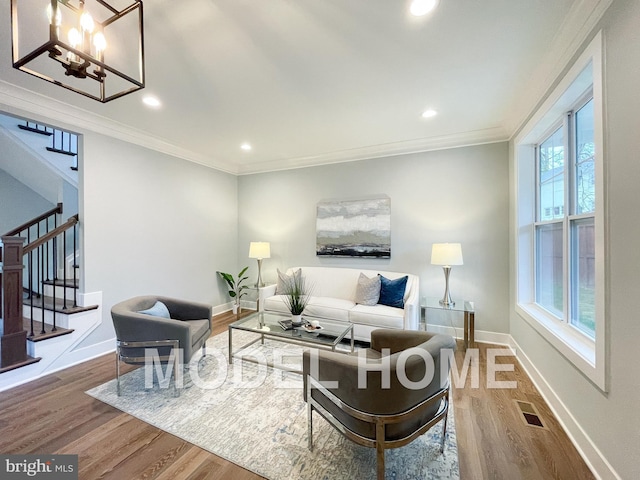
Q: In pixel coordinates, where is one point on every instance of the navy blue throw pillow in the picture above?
(392, 291)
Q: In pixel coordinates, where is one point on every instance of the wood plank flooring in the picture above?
(54, 415)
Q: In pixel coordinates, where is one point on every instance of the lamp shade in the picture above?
(446, 254)
(259, 250)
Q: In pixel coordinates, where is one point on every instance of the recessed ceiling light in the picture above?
(246, 147)
(151, 101)
(419, 8)
(429, 113)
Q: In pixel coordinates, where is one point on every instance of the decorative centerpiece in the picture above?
(296, 296)
(236, 287)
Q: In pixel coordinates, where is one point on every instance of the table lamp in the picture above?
(446, 254)
(259, 250)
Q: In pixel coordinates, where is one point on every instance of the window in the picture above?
(560, 221)
(565, 282)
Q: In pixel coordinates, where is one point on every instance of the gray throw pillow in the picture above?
(284, 280)
(368, 290)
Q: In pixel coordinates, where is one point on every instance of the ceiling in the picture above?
(309, 82)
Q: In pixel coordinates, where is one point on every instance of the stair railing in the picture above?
(41, 259)
(45, 243)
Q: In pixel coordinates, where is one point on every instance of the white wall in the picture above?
(18, 203)
(610, 419)
(153, 224)
(455, 195)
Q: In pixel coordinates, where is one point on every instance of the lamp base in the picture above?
(446, 299)
(259, 282)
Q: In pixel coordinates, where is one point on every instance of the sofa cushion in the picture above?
(276, 304)
(381, 316)
(368, 290)
(392, 291)
(327, 307)
(158, 309)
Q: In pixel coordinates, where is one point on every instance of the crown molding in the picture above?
(442, 142)
(22, 102)
(576, 28)
(26, 103)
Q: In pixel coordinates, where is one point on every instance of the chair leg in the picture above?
(444, 430)
(204, 349)
(118, 371)
(380, 437)
(309, 420)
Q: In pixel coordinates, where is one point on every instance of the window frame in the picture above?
(571, 92)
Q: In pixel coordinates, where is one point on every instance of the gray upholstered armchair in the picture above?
(188, 328)
(381, 416)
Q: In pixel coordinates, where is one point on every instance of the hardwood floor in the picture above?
(54, 415)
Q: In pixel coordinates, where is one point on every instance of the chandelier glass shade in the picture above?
(92, 47)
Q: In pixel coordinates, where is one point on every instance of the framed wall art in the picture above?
(354, 228)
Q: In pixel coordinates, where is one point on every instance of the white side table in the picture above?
(465, 306)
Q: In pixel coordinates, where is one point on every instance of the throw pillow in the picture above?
(392, 291)
(284, 279)
(159, 309)
(367, 290)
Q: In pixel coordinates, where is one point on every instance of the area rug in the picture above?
(254, 416)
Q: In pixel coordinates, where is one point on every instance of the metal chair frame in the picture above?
(380, 421)
(121, 347)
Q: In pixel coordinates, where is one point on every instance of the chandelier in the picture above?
(91, 47)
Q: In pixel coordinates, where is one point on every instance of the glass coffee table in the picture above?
(266, 324)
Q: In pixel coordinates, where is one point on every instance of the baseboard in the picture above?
(481, 336)
(589, 452)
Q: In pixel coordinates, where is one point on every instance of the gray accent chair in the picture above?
(380, 416)
(188, 329)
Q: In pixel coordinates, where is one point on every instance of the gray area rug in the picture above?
(255, 417)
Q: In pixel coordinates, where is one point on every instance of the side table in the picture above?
(465, 306)
(257, 289)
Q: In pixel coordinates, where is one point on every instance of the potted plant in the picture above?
(236, 286)
(296, 296)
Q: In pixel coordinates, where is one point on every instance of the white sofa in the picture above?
(333, 296)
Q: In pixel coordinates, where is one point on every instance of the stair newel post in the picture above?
(13, 342)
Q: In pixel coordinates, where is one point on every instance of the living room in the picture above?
(156, 219)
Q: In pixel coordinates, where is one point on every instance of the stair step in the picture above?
(47, 303)
(63, 282)
(37, 328)
(28, 361)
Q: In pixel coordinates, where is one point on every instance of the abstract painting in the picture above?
(354, 228)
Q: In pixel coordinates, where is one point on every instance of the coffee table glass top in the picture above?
(267, 323)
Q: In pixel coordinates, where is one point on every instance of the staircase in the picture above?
(39, 283)
(62, 142)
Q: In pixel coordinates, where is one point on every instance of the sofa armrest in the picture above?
(264, 293)
(412, 307)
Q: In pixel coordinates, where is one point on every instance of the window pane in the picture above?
(585, 161)
(551, 177)
(549, 263)
(583, 273)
